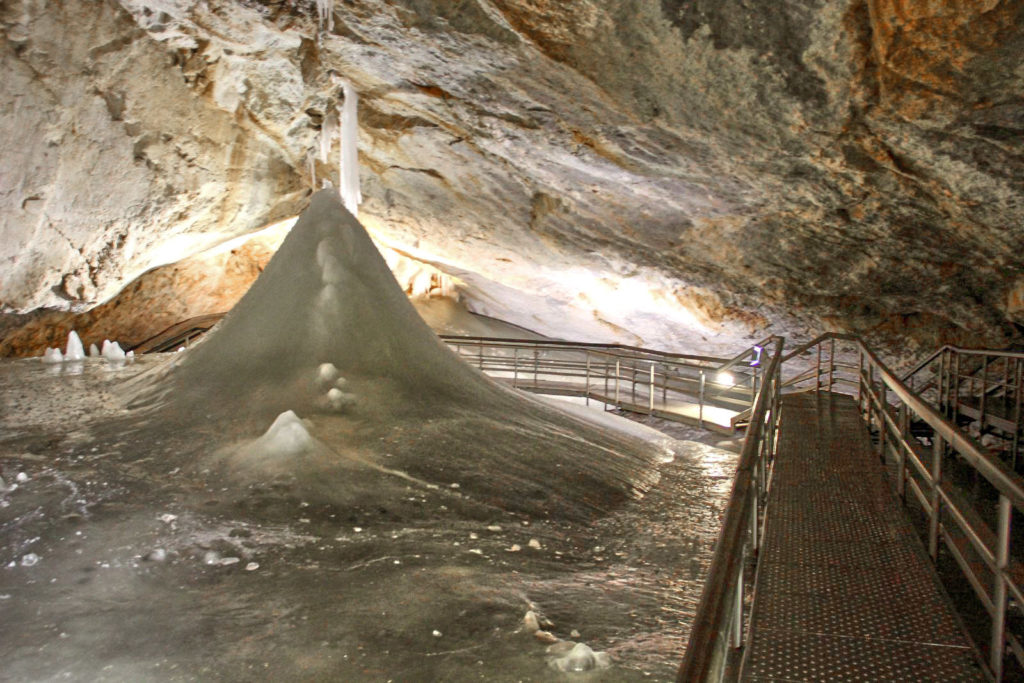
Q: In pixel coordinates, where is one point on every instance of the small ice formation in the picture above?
(570, 657)
(94, 351)
(53, 356)
(75, 350)
(112, 351)
(327, 333)
(286, 436)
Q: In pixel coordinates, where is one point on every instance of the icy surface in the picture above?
(123, 513)
(209, 533)
(53, 356)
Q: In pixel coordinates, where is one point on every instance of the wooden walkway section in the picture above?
(845, 590)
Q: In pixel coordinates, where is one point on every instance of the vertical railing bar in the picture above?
(984, 395)
(998, 642)
(515, 367)
(650, 392)
(831, 361)
(737, 607)
(633, 369)
(586, 400)
(817, 372)
(933, 522)
(904, 446)
(700, 402)
(955, 388)
(883, 425)
(618, 370)
(605, 382)
(1018, 380)
(664, 388)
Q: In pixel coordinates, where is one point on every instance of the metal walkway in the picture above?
(845, 590)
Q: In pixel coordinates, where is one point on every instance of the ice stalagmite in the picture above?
(349, 167)
(328, 333)
(74, 350)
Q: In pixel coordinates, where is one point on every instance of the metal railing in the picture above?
(922, 463)
(684, 387)
(981, 388)
(720, 627)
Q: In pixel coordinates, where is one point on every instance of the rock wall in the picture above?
(744, 163)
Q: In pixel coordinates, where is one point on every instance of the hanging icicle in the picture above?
(348, 180)
(311, 167)
(328, 129)
(325, 14)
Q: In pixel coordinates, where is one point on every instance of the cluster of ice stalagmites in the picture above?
(75, 352)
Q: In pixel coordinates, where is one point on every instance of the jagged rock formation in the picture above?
(853, 164)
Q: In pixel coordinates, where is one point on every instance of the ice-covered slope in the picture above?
(327, 332)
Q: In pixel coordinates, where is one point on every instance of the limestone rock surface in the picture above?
(680, 170)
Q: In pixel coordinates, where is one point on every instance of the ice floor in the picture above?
(145, 569)
(321, 490)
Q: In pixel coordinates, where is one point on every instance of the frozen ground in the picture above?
(137, 578)
(399, 525)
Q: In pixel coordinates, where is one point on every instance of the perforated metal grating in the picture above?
(783, 656)
(845, 592)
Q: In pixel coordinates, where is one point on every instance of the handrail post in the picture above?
(901, 454)
(515, 366)
(860, 380)
(883, 425)
(650, 392)
(998, 643)
(817, 371)
(605, 373)
(936, 502)
(984, 395)
(737, 605)
(700, 402)
(831, 361)
(586, 394)
(943, 382)
(954, 394)
(536, 365)
(1017, 382)
(632, 367)
(664, 388)
(618, 368)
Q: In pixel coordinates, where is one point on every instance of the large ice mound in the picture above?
(328, 333)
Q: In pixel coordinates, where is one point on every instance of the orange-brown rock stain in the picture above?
(923, 49)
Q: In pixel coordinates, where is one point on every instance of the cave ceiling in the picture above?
(736, 165)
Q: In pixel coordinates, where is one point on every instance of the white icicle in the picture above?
(325, 14)
(311, 165)
(349, 167)
(327, 132)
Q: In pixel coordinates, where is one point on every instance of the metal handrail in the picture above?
(559, 343)
(878, 388)
(720, 616)
(640, 380)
